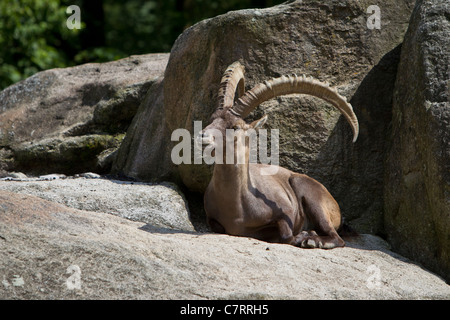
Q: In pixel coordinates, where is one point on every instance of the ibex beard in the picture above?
(285, 206)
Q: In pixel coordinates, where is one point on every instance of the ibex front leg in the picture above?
(286, 234)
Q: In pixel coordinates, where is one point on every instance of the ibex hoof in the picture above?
(310, 243)
(311, 240)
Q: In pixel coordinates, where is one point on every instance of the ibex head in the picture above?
(230, 113)
(218, 136)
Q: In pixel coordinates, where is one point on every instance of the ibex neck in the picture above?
(231, 177)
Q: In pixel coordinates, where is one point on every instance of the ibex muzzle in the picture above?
(285, 206)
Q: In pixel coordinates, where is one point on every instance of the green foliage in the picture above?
(34, 35)
(31, 33)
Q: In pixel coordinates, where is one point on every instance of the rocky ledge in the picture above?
(67, 247)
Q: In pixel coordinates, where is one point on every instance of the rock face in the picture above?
(145, 151)
(417, 177)
(329, 41)
(71, 120)
(49, 251)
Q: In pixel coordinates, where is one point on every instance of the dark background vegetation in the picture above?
(34, 36)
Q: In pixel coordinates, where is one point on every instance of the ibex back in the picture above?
(284, 207)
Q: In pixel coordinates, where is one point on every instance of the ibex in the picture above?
(286, 207)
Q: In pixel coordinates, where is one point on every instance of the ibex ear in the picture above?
(259, 123)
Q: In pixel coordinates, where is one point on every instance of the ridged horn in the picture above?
(294, 84)
(233, 78)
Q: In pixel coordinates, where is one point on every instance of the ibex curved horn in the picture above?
(233, 78)
(294, 84)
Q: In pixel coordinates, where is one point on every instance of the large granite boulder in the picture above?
(417, 177)
(71, 120)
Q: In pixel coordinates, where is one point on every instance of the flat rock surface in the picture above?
(50, 251)
(160, 205)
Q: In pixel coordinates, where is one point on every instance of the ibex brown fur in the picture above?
(285, 207)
